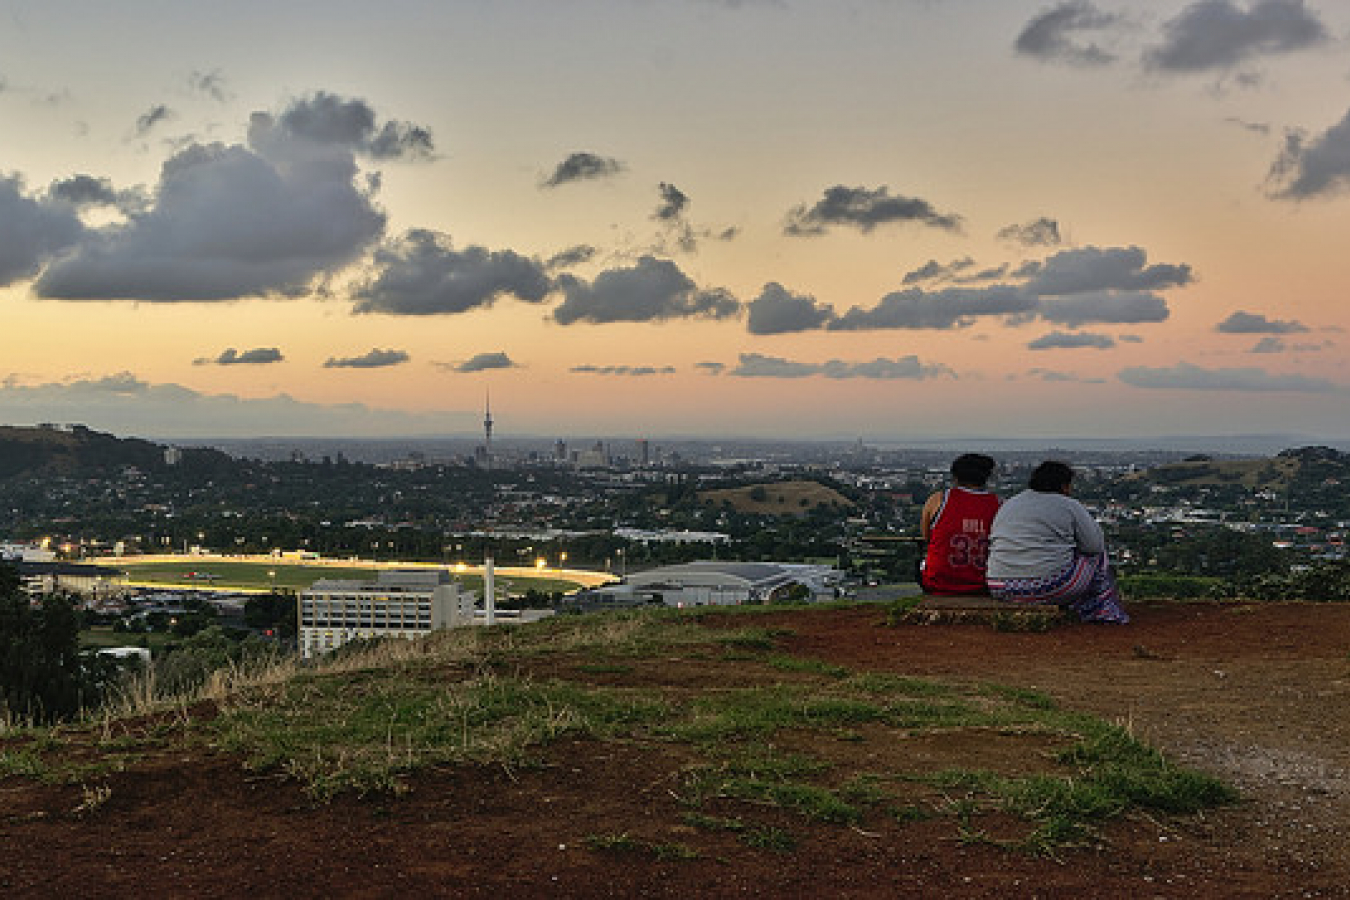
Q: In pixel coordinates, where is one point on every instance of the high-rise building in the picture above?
(399, 603)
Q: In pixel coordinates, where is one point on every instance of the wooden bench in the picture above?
(934, 609)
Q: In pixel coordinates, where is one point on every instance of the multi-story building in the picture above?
(399, 603)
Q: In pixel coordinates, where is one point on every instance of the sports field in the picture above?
(264, 573)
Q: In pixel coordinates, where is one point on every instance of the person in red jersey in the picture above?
(954, 526)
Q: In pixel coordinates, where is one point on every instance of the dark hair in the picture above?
(973, 468)
(1051, 477)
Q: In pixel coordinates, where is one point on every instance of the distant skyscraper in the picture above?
(644, 452)
(487, 429)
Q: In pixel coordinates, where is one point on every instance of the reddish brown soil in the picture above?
(1258, 696)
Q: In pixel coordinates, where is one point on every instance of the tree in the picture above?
(43, 677)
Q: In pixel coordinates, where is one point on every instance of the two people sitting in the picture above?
(1040, 547)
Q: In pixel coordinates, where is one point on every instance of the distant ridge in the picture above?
(75, 449)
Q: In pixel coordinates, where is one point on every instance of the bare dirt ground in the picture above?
(1259, 696)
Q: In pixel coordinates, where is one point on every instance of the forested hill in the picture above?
(76, 450)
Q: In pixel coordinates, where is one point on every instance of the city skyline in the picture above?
(772, 218)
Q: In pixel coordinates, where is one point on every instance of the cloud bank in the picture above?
(1184, 376)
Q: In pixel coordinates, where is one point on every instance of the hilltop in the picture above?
(777, 498)
(77, 450)
(810, 752)
(1278, 473)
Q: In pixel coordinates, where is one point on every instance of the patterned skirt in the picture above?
(1086, 587)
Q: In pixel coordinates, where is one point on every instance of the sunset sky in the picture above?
(877, 219)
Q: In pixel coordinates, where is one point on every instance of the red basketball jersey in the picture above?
(958, 542)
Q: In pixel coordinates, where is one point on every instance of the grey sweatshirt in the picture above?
(1036, 535)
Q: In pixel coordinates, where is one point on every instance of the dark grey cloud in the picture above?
(673, 203)
(1270, 344)
(1254, 323)
(255, 357)
(1102, 269)
(757, 365)
(1063, 340)
(1062, 34)
(944, 309)
(84, 190)
(936, 271)
(32, 231)
(375, 359)
(422, 274)
(583, 166)
(651, 290)
(634, 371)
(1184, 376)
(1316, 167)
(1040, 232)
(864, 209)
(779, 311)
(210, 84)
(152, 117)
(572, 256)
(1214, 35)
(228, 221)
(1130, 339)
(483, 362)
(327, 120)
(1104, 307)
(711, 368)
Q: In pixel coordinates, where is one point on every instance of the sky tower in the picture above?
(487, 428)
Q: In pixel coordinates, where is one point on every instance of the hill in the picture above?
(769, 753)
(77, 450)
(777, 498)
(1280, 473)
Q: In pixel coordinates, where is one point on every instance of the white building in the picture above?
(400, 603)
(718, 584)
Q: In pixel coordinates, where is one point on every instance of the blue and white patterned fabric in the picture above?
(1086, 587)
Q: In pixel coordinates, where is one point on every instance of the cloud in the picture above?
(1060, 340)
(483, 362)
(228, 221)
(864, 209)
(1104, 307)
(1040, 232)
(1054, 35)
(711, 368)
(936, 271)
(1260, 128)
(757, 365)
(1217, 34)
(210, 84)
(673, 203)
(652, 290)
(1255, 323)
(1184, 376)
(635, 371)
(152, 117)
(32, 231)
(375, 359)
(944, 309)
(1269, 344)
(582, 166)
(256, 356)
(1051, 375)
(1130, 339)
(127, 405)
(572, 256)
(1072, 288)
(778, 311)
(422, 274)
(84, 190)
(1100, 269)
(327, 120)
(1313, 168)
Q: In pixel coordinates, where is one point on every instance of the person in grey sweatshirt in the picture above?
(1045, 548)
